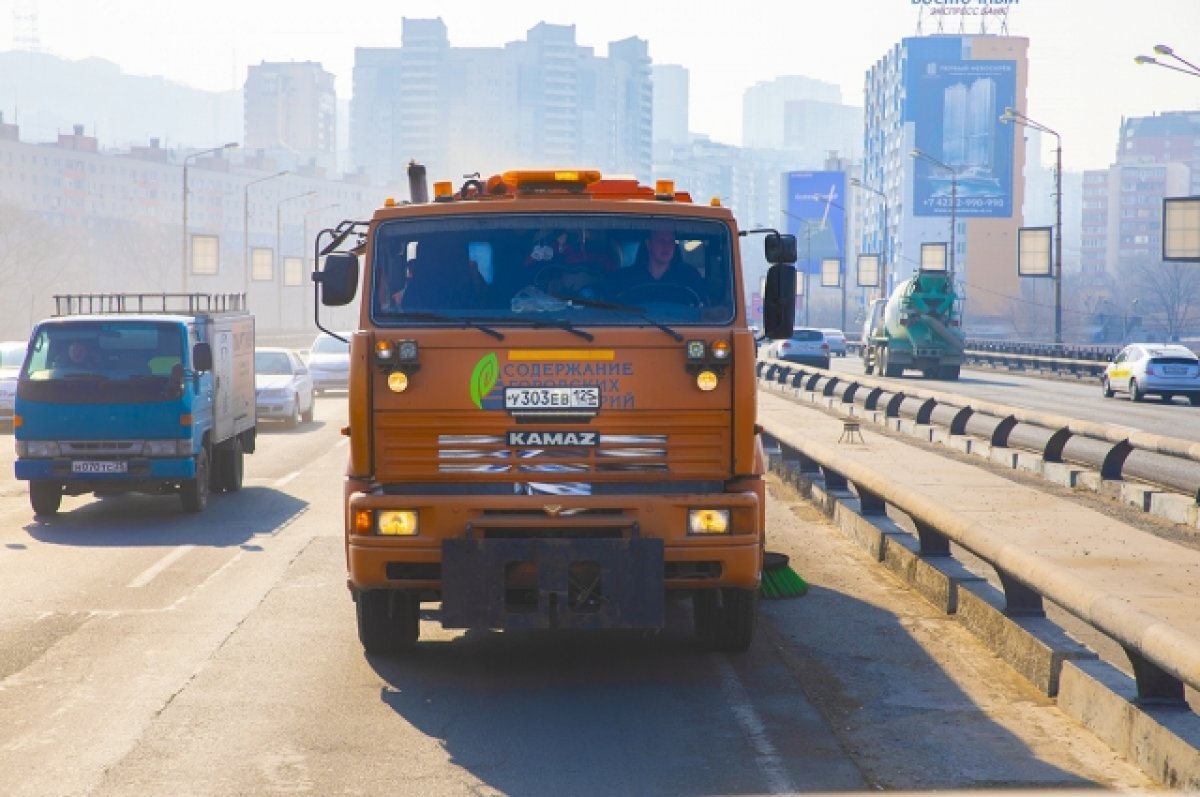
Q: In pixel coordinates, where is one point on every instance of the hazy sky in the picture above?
(1083, 78)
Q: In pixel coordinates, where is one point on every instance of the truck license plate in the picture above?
(99, 466)
(552, 398)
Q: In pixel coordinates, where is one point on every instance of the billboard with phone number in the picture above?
(955, 104)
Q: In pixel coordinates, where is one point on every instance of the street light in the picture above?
(1011, 115)
(831, 203)
(809, 228)
(307, 213)
(883, 292)
(184, 243)
(279, 243)
(916, 153)
(1162, 49)
(246, 229)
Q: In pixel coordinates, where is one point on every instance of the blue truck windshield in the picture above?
(595, 270)
(129, 360)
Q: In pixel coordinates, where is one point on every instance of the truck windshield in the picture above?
(559, 267)
(133, 358)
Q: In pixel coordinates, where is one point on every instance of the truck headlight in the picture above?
(167, 448)
(397, 522)
(38, 448)
(708, 521)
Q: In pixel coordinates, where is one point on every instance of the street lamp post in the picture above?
(809, 229)
(303, 299)
(845, 268)
(1188, 67)
(883, 291)
(184, 243)
(1016, 117)
(246, 229)
(916, 153)
(279, 243)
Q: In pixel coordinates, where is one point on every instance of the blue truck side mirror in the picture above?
(202, 357)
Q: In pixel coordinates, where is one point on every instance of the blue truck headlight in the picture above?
(167, 448)
(708, 521)
(38, 448)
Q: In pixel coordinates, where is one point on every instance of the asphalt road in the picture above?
(145, 651)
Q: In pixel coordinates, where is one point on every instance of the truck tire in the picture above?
(230, 466)
(193, 493)
(389, 621)
(728, 623)
(950, 372)
(45, 497)
(868, 366)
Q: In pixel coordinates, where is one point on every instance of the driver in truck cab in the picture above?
(658, 264)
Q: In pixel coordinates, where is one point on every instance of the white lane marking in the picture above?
(147, 575)
(770, 763)
(286, 479)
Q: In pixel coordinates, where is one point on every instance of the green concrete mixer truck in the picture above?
(917, 328)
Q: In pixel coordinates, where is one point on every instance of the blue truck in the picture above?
(148, 393)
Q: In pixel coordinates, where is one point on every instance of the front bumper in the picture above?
(275, 409)
(138, 469)
(616, 531)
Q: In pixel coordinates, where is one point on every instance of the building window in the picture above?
(205, 249)
(293, 271)
(262, 265)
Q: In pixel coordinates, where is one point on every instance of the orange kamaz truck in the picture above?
(552, 406)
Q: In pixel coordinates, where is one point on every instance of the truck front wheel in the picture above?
(389, 621)
(193, 493)
(45, 497)
(725, 621)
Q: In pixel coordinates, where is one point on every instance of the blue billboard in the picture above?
(955, 104)
(814, 213)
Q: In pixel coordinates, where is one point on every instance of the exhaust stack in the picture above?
(418, 188)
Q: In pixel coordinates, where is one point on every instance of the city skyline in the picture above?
(724, 53)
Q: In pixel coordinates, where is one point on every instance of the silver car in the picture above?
(1145, 369)
(806, 346)
(329, 363)
(836, 339)
(283, 389)
(12, 354)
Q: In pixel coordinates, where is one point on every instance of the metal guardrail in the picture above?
(887, 396)
(1164, 659)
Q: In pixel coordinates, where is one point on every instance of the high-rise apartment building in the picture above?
(943, 96)
(291, 114)
(541, 101)
(670, 103)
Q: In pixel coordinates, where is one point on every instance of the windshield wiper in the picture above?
(640, 312)
(473, 323)
(562, 324)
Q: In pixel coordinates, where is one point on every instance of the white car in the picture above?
(329, 363)
(1161, 369)
(283, 388)
(836, 339)
(12, 355)
(806, 346)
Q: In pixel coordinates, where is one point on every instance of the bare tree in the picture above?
(1170, 294)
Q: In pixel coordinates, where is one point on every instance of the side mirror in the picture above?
(338, 281)
(202, 359)
(780, 249)
(779, 303)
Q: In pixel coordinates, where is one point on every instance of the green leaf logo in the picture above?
(484, 377)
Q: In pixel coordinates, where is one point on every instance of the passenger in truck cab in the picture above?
(658, 274)
(442, 277)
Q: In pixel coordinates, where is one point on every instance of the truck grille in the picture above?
(103, 448)
(616, 453)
